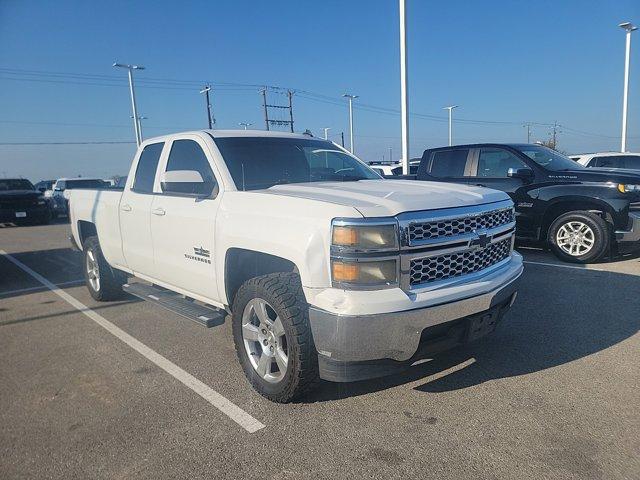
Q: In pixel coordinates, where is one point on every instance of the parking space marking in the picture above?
(563, 266)
(42, 287)
(235, 413)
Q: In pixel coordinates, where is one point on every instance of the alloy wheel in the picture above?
(264, 340)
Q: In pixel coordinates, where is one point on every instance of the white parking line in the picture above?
(231, 410)
(564, 266)
(42, 287)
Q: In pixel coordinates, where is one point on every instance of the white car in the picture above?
(327, 270)
(386, 168)
(63, 186)
(628, 160)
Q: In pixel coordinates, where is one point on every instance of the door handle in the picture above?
(158, 211)
(126, 208)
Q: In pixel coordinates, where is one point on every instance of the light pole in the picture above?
(404, 87)
(351, 98)
(136, 120)
(326, 134)
(450, 108)
(528, 127)
(628, 27)
(245, 124)
(206, 91)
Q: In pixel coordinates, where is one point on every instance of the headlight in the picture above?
(626, 188)
(364, 273)
(364, 237)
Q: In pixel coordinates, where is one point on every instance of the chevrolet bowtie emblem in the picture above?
(482, 241)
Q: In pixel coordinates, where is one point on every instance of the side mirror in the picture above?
(185, 182)
(521, 173)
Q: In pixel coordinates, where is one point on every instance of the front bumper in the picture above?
(366, 346)
(633, 234)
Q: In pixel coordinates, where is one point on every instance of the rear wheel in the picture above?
(104, 283)
(579, 237)
(273, 338)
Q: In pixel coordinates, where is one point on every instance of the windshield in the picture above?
(71, 184)
(549, 159)
(262, 162)
(15, 184)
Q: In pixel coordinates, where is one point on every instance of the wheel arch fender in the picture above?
(572, 203)
(242, 264)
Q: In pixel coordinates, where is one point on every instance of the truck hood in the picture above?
(605, 175)
(375, 198)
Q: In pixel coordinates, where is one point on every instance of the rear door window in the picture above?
(147, 166)
(449, 163)
(632, 161)
(612, 161)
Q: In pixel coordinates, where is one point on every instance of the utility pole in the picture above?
(628, 27)
(351, 98)
(264, 104)
(271, 121)
(528, 127)
(342, 138)
(554, 135)
(245, 124)
(206, 91)
(136, 120)
(290, 94)
(139, 121)
(404, 87)
(450, 108)
(326, 134)
(390, 154)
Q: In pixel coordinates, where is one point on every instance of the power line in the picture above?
(72, 78)
(70, 143)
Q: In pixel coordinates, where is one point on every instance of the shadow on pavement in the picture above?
(556, 319)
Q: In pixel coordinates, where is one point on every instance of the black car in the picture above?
(20, 202)
(579, 212)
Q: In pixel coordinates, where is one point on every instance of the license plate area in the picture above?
(21, 214)
(482, 325)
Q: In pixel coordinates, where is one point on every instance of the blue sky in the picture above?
(501, 61)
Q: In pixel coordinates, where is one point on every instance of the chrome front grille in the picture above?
(450, 227)
(450, 265)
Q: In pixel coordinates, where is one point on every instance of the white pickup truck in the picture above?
(328, 271)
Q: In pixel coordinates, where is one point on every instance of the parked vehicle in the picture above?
(386, 168)
(21, 203)
(328, 270)
(629, 161)
(63, 186)
(44, 186)
(394, 169)
(579, 212)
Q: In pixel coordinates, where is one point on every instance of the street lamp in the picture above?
(245, 124)
(351, 98)
(628, 27)
(404, 88)
(136, 120)
(450, 108)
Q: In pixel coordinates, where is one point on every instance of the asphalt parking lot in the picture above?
(553, 394)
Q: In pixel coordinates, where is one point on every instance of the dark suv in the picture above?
(20, 202)
(579, 212)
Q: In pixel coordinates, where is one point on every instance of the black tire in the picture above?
(283, 293)
(597, 225)
(109, 286)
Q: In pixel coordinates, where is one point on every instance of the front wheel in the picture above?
(579, 237)
(104, 283)
(272, 336)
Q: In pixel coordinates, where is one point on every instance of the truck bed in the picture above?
(99, 207)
